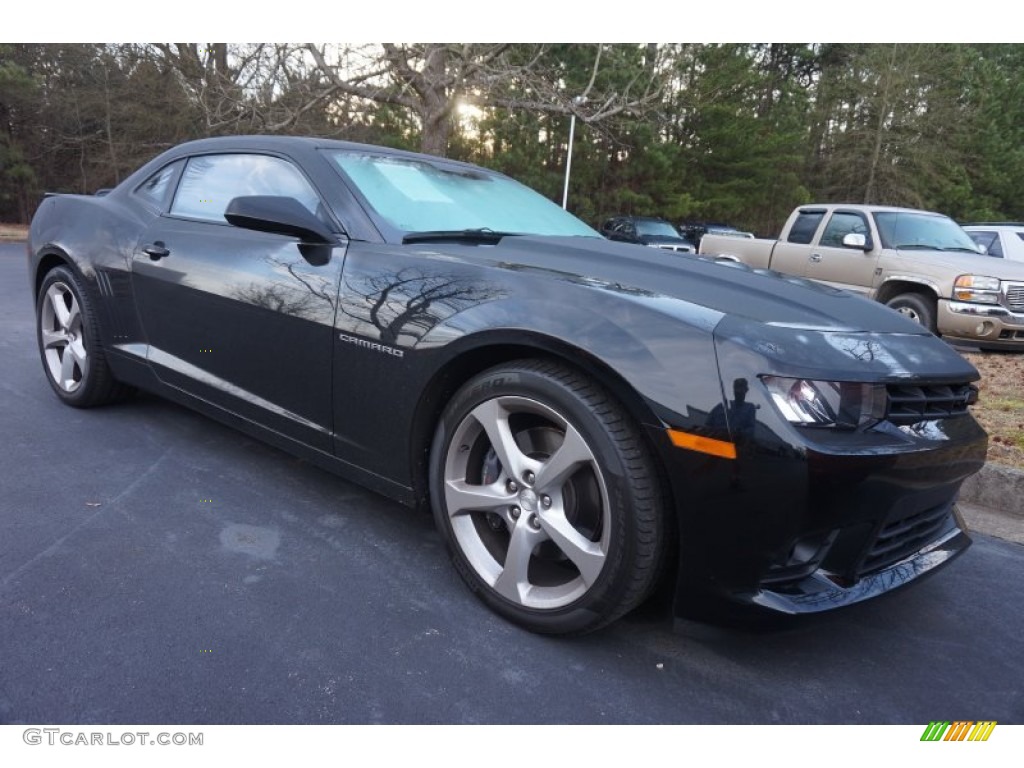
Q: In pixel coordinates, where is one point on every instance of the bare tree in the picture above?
(409, 301)
(432, 79)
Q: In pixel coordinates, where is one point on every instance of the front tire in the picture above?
(547, 497)
(914, 306)
(68, 334)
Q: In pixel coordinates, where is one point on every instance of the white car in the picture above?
(1004, 240)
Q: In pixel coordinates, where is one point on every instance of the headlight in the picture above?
(841, 404)
(983, 290)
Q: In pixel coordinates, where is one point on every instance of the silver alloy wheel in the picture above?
(527, 502)
(63, 338)
(910, 313)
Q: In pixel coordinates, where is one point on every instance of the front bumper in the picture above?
(987, 325)
(822, 590)
(807, 519)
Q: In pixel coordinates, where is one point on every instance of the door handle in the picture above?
(156, 251)
(815, 257)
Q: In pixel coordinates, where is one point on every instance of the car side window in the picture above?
(806, 224)
(990, 240)
(157, 187)
(840, 225)
(210, 182)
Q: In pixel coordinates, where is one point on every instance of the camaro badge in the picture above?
(372, 345)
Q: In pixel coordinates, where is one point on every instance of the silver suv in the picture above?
(1003, 239)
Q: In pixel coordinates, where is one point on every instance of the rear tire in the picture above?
(68, 333)
(547, 497)
(916, 307)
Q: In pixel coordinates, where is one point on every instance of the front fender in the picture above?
(672, 365)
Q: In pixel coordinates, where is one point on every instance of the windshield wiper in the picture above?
(922, 247)
(483, 235)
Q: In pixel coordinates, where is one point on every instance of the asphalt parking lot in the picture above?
(156, 567)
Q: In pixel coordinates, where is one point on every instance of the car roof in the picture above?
(285, 143)
(295, 146)
(870, 208)
(994, 225)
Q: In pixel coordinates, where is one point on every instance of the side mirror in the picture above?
(982, 249)
(278, 215)
(856, 240)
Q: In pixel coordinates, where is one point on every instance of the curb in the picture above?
(998, 488)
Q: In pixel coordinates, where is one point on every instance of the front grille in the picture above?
(911, 403)
(1015, 298)
(903, 537)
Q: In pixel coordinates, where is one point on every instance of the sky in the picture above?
(529, 21)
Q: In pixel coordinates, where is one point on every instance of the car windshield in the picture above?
(908, 230)
(420, 196)
(656, 229)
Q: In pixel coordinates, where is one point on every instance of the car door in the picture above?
(792, 256)
(843, 266)
(237, 317)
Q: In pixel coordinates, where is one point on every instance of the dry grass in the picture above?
(13, 232)
(1000, 408)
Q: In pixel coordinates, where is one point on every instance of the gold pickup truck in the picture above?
(921, 264)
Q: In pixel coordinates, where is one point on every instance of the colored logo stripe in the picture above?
(959, 730)
(982, 730)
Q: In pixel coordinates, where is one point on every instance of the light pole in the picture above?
(578, 101)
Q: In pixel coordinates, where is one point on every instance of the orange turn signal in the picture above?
(721, 448)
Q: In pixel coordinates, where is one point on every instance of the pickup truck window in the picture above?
(840, 225)
(920, 231)
(805, 226)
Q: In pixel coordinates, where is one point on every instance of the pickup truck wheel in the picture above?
(916, 307)
(547, 497)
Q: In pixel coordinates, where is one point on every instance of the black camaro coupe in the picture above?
(586, 420)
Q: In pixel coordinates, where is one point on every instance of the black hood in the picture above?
(729, 288)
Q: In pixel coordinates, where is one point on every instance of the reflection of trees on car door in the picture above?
(238, 317)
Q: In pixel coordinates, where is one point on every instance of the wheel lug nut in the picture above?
(533, 522)
(515, 512)
(545, 501)
(512, 486)
(528, 477)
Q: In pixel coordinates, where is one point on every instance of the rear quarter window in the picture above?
(157, 188)
(806, 224)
